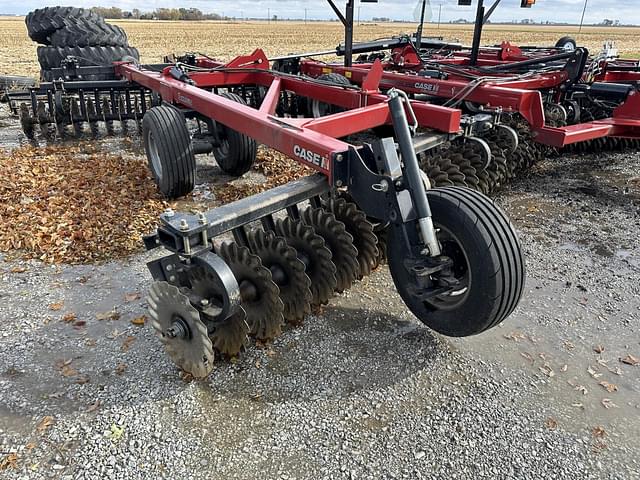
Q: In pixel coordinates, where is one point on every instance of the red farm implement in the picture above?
(470, 117)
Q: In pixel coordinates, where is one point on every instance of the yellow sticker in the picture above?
(327, 70)
(348, 74)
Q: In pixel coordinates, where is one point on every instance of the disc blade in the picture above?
(260, 295)
(193, 353)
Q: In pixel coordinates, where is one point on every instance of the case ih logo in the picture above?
(311, 157)
(184, 100)
(428, 87)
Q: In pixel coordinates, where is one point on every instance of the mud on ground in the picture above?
(361, 390)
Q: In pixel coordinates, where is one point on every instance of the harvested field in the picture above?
(225, 40)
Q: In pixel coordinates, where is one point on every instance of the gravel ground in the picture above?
(361, 390)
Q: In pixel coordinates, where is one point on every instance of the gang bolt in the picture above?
(338, 183)
(339, 157)
(169, 212)
(184, 225)
(202, 219)
(204, 302)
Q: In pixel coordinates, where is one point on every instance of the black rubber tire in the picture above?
(494, 257)
(169, 150)
(14, 81)
(238, 153)
(52, 57)
(88, 34)
(566, 41)
(315, 106)
(42, 22)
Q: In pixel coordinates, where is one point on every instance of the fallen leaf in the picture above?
(578, 405)
(69, 317)
(582, 388)
(94, 406)
(564, 368)
(126, 344)
(630, 360)
(116, 432)
(130, 297)
(598, 349)
(515, 335)
(593, 372)
(56, 306)
(30, 446)
(19, 269)
(607, 403)
(568, 345)
(90, 342)
(120, 368)
(598, 432)
(45, 423)
(139, 321)
(82, 379)
(527, 356)
(79, 324)
(110, 315)
(9, 461)
(551, 423)
(61, 363)
(547, 370)
(609, 387)
(68, 371)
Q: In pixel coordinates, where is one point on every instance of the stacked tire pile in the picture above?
(76, 32)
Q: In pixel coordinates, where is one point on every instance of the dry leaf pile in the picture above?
(278, 168)
(74, 204)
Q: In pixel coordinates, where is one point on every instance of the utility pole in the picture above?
(582, 19)
(241, 15)
(305, 15)
(439, 15)
(358, 15)
(268, 15)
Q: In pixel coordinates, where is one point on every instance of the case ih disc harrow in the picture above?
(248, 267)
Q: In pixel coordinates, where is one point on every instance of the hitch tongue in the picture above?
(411, 170)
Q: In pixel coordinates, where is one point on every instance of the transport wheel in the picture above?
(169, 150)
(236, 152)
(320, 109)
(487, 262)
(567, 44)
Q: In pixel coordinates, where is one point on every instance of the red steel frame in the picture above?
(512, 96)
(312, 141)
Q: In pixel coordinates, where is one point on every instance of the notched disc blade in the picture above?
(287, 270)
(193, 354)
(311, 249)
(356, 223)
(344, 254)
(229, 335)
(260, 295)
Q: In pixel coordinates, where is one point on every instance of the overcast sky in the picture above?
(627, 11)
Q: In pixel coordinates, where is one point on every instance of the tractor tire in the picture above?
(14, 81)
(478, 236)
(567, 44)
(43, 22)
(169, 150)
(52, 57)
(237, 152)
(87, 34)
(320, 109)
